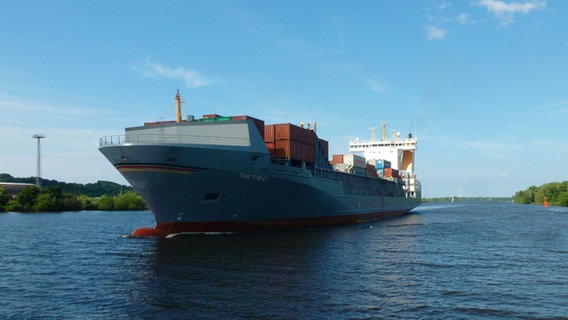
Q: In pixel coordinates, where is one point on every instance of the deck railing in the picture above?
(182, 139)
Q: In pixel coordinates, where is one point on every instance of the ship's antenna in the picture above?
(372, 134)
(384, 126)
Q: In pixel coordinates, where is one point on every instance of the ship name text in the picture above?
(252, 177)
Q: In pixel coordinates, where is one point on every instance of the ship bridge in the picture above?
(397, 150)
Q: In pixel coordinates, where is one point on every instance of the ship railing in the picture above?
(161, 138)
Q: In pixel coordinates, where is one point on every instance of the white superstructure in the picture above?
(397, 150)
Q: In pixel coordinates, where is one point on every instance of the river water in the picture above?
(475, 260)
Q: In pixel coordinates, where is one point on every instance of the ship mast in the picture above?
(384, 126)
(178, 107)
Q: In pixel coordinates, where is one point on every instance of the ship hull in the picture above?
(199, 188)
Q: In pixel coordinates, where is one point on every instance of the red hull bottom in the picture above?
(163, 229)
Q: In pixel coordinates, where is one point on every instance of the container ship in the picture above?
(238, 174)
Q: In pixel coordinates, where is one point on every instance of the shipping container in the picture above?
(288, 131)
(354, 160)
(211, 116)
(325, 147)
(380, 163)
(391, 173)
(293, 150)
(269, 133)
(359, 171)
(371, 170)
(336, 159)
(271, 148)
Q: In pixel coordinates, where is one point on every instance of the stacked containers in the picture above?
(381, 165)
(354, 160)
(336, 159)
(371, 170)
(392, 173)
(357, 163)
(288, 141)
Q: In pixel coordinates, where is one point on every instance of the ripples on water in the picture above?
(465, 260)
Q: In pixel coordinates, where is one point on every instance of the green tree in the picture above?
(72, 203)
(129, 201)
(27, 198)
(87, 203)
(105, 203)
(556, 194)
(14, 206)
(4, 198)
(50, 200)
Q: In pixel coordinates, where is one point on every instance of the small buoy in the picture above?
(149, 233)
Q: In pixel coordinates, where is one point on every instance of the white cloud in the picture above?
(463, 18)
(444, 5)
(434, 33)
(506, 11)
(191, 78)
(35, 112)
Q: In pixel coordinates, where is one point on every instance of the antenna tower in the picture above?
(38, 173)
(384, 126)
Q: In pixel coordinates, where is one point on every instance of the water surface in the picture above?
(463, 260)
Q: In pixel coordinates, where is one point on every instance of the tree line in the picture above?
(462, 199)
(57, 196)
(97, 189)
(53, 199)
(556, 194)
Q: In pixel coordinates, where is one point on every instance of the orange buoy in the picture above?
(150, 233)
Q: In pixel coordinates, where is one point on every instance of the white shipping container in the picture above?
(354, 160)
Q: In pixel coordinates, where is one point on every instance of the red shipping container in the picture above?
(269, 133)
(337, 158)
(391, 173)
(293, 150)
(271, 149)
(288, 131)
(371, 170)
(211, 116)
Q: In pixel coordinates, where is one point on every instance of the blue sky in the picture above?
(482, 83)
